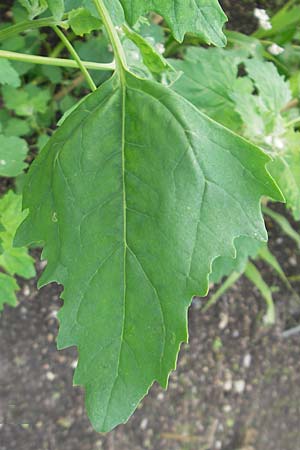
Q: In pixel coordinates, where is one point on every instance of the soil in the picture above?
(240, 14)
(237, 386)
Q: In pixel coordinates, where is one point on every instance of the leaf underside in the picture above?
(133, 198)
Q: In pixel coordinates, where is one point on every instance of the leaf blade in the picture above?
(128, 237)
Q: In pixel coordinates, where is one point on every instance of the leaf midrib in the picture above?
(124, 207)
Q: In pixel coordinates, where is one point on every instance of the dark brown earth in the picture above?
(240, 13)
(237, 386)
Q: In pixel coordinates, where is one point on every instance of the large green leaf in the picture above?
(203, 18)
(133, 198)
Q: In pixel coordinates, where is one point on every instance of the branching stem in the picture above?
(113, 35)
(76, 57)
(27, 25)
(59, 62)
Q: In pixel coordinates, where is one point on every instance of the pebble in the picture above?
(239, 386)
(26, 290)
(74, 363)
(23, 310)
(227, 408)
(50, 376)
(144, 424)
(227, 385)
(224, 319)
(160, 396)
(42, 264)
(247, 360)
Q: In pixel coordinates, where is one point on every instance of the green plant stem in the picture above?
(283, 223)
(26, 25)
(59, 62)
(228, 283)
(255, 277)
(292, 122)
(76, 57)
(113, 35)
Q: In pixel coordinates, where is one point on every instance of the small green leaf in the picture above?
(8, 75)
(273, 90)
(14, 261)
(285, 168)
(82, 21)
(28, 100)
(54, 74)
(155, 62)
(57, 8)
(13, 151)
(34, 7)
(16, 127)
(8, 289)
(121, 198)
(204, 18)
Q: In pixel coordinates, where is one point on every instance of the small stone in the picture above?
(218, 445)
(160, 396)
(50, 337)
(224, 319)
(293, 260)
(74, 363)
(247, 360)
(144, 424)
(227, 408)
(26, 290)
(42, 264)
(50, 376)
(227, 385)
(53, 314)
(239, 386)
(65, 422)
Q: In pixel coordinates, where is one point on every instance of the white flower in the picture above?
(263, 18)
(275, 50)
